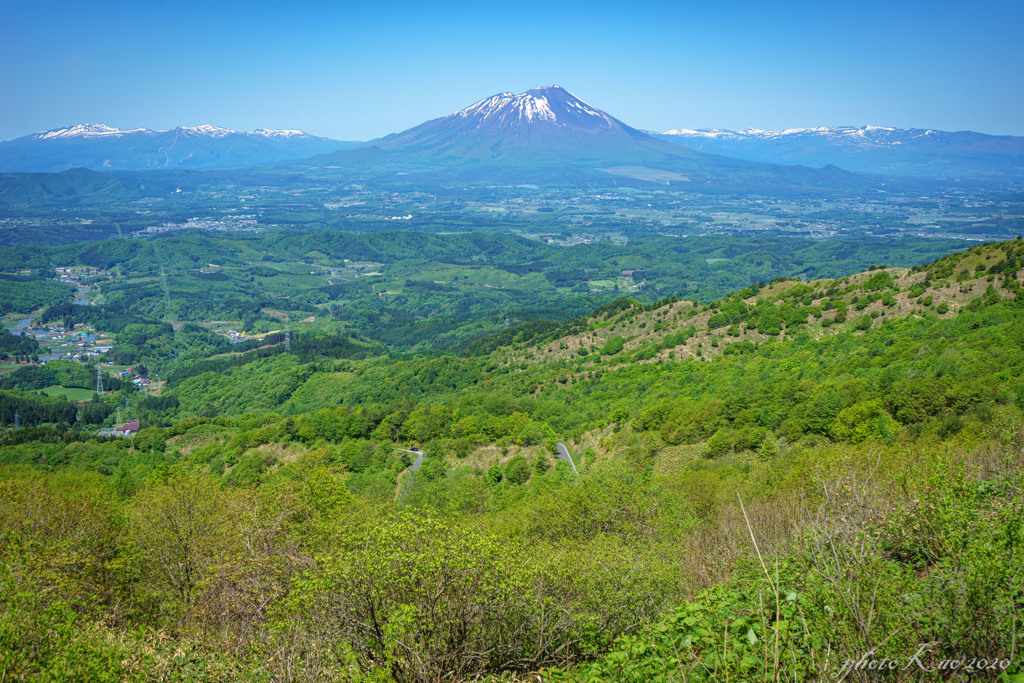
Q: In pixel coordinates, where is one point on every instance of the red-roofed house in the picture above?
(129, 428)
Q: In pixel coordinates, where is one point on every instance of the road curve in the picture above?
(418, 462)
(563, 454)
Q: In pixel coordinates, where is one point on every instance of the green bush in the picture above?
(862, 421)
(517, 470)
(613, 346)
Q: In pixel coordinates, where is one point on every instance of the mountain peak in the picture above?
(549, 88)
(550, 104)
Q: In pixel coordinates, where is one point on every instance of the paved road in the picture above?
(418, 462)
(563, 454)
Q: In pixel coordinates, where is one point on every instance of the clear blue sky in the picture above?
(355, 73)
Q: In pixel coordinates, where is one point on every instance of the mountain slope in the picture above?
(76, 186)
(549, 136)
(868, 149)
(628, 332)
(101, 147)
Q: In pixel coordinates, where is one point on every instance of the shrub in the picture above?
(613, 346)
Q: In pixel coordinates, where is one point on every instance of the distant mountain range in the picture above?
(543, 136)
(549, 136)
(869, 149)
(101, 147)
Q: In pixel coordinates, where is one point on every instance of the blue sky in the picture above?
(359, 72)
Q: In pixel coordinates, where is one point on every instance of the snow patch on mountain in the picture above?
(86, 130)
(99, 130)
(551, 103)
(269, 133)
(877, 134)
(206, 130)
(883, 150)
(711, 133)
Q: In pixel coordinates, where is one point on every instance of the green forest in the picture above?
(789, 462)
(422, 292)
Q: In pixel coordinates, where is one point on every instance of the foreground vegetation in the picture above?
(760, 496)
(866, 548)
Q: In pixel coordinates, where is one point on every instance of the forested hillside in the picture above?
(417, 291)
(771, 482)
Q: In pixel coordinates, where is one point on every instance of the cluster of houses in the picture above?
(229, 223)
(67, 344)
(72, 275)
(140, 380)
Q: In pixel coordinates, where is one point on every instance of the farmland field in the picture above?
(72, 393)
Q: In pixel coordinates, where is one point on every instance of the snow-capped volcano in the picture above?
(102, 147)
(548, 120)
